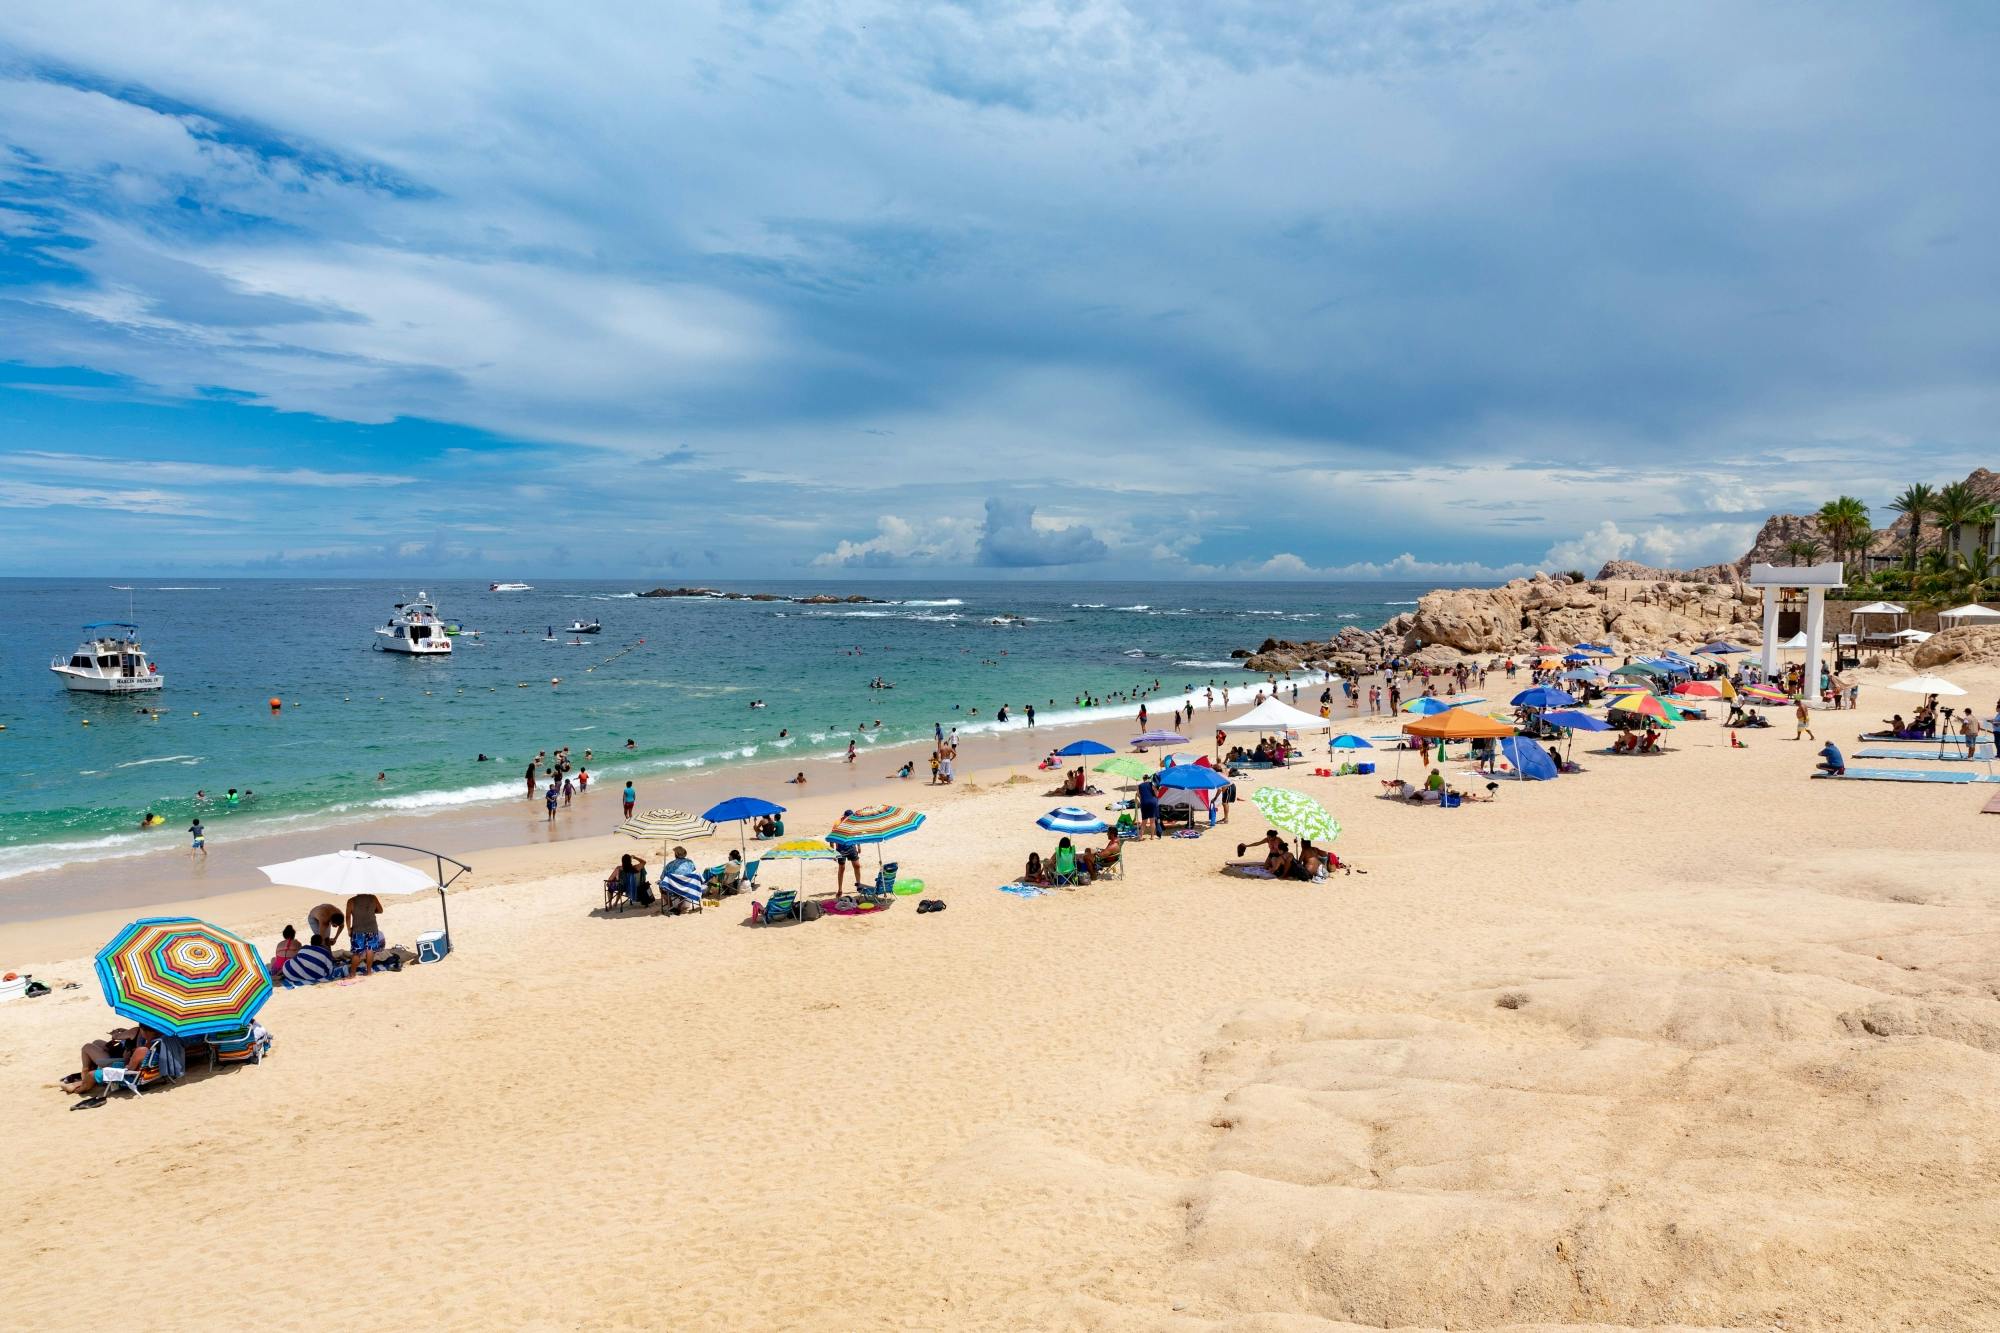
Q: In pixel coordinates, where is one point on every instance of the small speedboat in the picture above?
(580, 627)
(510, 587)
(109, 661)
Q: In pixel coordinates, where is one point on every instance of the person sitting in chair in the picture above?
(123, 1049)
(727, 879)
(629, 877)
(1099, 859)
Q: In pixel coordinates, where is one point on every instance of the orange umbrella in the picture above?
(1458, 724)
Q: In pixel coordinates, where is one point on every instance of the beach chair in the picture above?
(1112, 869)
(684, 886)
(884, 885)
(785, 905)
(1066, 873)
(157, 1067)
(245, 1046)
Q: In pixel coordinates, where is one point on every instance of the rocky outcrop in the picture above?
(1631, 570)
(716, 594)
(1966, 643)
(1518, 617)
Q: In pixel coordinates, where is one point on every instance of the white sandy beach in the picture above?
(1684, 1041)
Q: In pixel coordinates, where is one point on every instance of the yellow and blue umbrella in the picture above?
(183, 977)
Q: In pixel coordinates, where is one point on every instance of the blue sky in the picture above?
(1228, 288)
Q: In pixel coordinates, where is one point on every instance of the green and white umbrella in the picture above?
(1296, 813)
(667, 826)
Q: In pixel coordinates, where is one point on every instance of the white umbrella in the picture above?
(1926, 685)
(1970, 611)
(350, 871)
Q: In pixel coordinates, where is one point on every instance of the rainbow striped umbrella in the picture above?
(875, 823)
(1763, 694)
(181, 976)
(1648, 705)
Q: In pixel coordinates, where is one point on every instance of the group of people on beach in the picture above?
(559, 779)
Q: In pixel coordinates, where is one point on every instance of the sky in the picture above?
(814, 288)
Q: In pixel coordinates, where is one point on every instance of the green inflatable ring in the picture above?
(906, 887)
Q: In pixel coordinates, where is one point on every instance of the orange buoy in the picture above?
(276, 703)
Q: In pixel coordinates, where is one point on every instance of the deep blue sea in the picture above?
(678, 676)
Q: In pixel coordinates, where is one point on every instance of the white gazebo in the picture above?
(1881, 610)
(1971, 611)
(1815, 579)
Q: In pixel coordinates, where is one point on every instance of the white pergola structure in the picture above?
(1815, 579)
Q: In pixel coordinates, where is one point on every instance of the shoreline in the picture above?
(123, 884)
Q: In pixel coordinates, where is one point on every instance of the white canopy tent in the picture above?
(1970, 611)
(1889, 611)
(1276, 715)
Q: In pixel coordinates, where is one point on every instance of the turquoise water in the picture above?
(677, 676)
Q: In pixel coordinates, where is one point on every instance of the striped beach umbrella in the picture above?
(1158, 738)
(875, 823)
(801, 850)
(1763, 694)
(1426, 706)
(667, 826)
(1698, 689)
(1072, 819)
(181, 976)
(1648, 705)
(1296, 813)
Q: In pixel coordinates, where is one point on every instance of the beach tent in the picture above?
(1277, 715)
(1531, 762)
(1889, 611)
(1970, 611)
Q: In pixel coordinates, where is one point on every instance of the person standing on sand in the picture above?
(1969, 729)
(198, 846)
(1804, 717)
(531, 779)
(631, 796)
(364, 931)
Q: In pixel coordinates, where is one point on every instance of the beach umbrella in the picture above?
(1582, 673)
(181, 976)
(1125, 766)
(1763, 694)
(1698, 689)
(1192, 777)
(1926, 685)
(1575, 659)
(667, 826)
(1647, 705)
(1571, 720)
(1072, 819)
(1077, 749)
(1542, 696)
(1719, 649)
(740, 810)
(1158, 738)
(1296, 813)
(1347, 740)
(1637, 671)
(1426, 706)
(1458, 724)
(801, 850)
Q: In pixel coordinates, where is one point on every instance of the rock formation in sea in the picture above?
(716, 594)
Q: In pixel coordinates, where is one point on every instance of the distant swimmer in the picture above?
(381, 777)
(631, 744)
(484, 759)
(757, 703)
(783, 732)
(233, 798)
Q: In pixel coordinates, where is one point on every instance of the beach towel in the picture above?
(857, 907)
(1951, 751)
(1957, 775)
(1248, 870)
(309, 966)
(1185, 833)
(1025, 890)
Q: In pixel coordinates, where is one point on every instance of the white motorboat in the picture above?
(583, 627)
(109, 661)
(510, 587)
(414, 629)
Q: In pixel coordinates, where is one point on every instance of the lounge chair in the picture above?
(136, 1078)
(884, 885)
(1111, 868)
(786, 905)
(683, 887)
(1066, 873)
(245, 1046)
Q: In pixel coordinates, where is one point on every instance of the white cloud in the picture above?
(1661, 545)
(36, 495)
(898, 543)
(169, 472)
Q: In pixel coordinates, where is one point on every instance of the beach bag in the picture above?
(811, 911)
(170, 1057)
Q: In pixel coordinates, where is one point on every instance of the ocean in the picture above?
(676, 676)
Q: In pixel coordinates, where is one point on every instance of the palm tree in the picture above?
(1802, 550)
(1845, 523)
(1972, 575)
(1955, 506)
(1915, 502)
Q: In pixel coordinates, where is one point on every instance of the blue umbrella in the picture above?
(741, 807)
(1570, 720)
(1425, 706)
(1719, 647)
(1583, 673)
(1543, 696)
(1347, 740)
(1072, 819)
(1076, 749)
(1193, 777)
(1576, 658)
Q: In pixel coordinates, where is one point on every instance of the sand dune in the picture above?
(1689, 1042)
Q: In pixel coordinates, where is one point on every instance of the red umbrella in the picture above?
(1697, 689)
